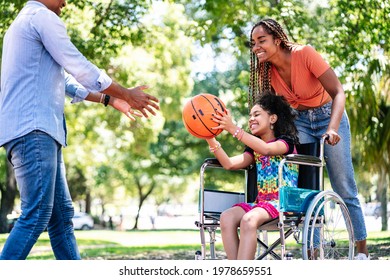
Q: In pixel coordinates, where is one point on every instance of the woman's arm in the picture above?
(333, 86)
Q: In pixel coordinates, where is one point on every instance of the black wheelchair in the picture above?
(318, 219)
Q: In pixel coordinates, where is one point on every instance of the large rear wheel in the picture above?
(327, 229)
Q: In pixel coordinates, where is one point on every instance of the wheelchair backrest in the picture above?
(309, 176)
(216, 202)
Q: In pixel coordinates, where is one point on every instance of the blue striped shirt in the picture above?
(36, 53)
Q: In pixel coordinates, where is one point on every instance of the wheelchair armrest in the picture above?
(212, 161)
(306, 159)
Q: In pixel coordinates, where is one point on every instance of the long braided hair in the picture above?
(260, 74)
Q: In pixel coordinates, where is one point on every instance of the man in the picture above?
(36, 53)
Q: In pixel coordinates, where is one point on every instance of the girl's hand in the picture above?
(224, 121)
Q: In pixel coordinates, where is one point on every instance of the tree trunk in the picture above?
(88, 202)
(142, 198)
(383, 186)
(8, 194)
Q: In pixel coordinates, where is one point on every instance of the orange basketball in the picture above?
(197, 114)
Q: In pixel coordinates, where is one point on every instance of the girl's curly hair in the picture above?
(275, 104)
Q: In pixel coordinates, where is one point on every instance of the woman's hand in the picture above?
(333, 137)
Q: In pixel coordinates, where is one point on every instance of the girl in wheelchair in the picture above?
(273, 135)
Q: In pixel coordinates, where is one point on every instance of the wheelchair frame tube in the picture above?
(201, 217)
(202, 225)
(319, 164)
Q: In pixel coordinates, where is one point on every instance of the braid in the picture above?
(260, 76)
(265, 76)
(274, 28)
(252, 81)
(254, 77)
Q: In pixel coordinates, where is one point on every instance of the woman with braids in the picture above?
(273, 134)
(312, 88)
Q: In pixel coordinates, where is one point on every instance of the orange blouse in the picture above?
(306, 66)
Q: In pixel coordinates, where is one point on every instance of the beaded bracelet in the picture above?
(237, 132)
(239, 136)
(214, 149)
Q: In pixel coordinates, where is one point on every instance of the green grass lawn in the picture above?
(107, 244)
(161, 244)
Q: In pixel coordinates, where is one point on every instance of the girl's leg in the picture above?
(248, 232)
(230, 221)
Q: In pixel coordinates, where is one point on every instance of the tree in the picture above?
(100, 38)
(171, 78)
(362, 28)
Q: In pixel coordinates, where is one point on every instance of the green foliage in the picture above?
(231, 21)
(8, 11)
(362, 28)
(100, 29)
(116, 153)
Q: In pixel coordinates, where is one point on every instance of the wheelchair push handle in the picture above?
(324, 138)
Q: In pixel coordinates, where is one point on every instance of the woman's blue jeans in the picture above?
(45, 199)
(312, 124)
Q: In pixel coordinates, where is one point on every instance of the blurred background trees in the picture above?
(182, 48)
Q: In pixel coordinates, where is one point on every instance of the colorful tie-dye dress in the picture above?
(267, 178)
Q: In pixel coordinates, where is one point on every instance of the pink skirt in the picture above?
(272, 211)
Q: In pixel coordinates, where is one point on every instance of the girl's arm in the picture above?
(260, 146)
(229, 163)
(274, 148)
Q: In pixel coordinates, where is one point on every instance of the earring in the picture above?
(271, 126)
